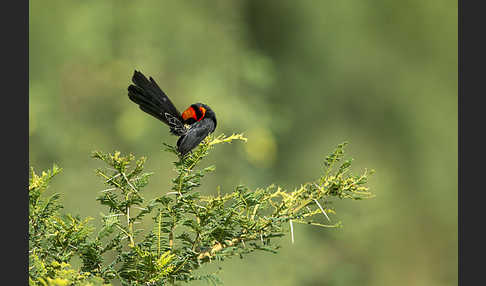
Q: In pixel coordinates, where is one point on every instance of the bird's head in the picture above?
(197, 112)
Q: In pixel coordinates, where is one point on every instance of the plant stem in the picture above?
(129, 224)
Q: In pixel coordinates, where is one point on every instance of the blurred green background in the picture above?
(298, 78)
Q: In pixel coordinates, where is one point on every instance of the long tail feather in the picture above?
(151, 99)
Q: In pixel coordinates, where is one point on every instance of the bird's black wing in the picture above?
(195, 135)
(176, 126)
(151, 99)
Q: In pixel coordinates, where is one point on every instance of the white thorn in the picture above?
(129, 183)
(292, 231)
(113, 177)
(322, 210)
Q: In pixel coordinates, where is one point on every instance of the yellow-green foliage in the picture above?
(189, 230)
(54, 238)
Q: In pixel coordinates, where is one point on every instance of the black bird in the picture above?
(193, 125)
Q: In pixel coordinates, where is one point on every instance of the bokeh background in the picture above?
(298, 78)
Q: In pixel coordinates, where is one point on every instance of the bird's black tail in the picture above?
(151, 99)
